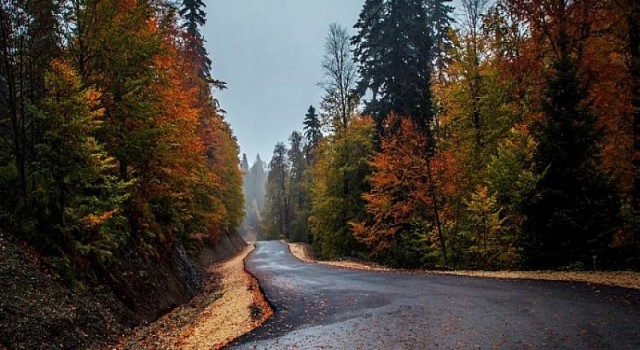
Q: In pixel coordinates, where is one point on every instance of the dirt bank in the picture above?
(40, 310)
(230, 305)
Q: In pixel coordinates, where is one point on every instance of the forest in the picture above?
(112, 144)
(504, 137)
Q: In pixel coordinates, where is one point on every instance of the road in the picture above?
(320, 307)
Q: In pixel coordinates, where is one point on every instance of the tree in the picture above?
(439, 12)
(194, 17)
(393, 49)
(296, 189)
(511, 177)
(339, 102)
(474, 10)
(277, 216)
(77, 200)
(29, 40)
(258, 181)
(633, 29)
(339, 183)
(489, 247)
(403, 227)
(254, 193)
(574, 211)
(312, 131)
(244, 164)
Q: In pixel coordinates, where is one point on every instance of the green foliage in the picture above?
(117, 150)
(297, 190)
(489, 245)
(394, 52)
(78, 201)
(277, 215)
(574, 210)
(340, 181)
(312, 130)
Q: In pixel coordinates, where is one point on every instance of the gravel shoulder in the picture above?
(230, 305)
(625, 279)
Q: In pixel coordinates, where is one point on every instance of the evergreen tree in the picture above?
(254, 189)
(258, 182)
(368, 48)
(394, 51)
(192, 11)
(574, 208)
(439, 12)
(312, 130)
(244, 164)
(77, 200)
(296, 189)
(277, 218)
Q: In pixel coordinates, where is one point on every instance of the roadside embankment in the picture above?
(229, 305)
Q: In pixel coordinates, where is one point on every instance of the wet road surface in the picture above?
(319, 307)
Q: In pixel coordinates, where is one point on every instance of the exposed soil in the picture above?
(230, 305)
(626, 279)
(37, 311)
(40, 311)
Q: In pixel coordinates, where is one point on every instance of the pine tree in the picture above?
(574, 208)
(394, 51)
(368, 47)
(192, 11)
(244, 164)
(258, 182)
(277, 218)
(439, 12)
(312, 130)
(296, 189)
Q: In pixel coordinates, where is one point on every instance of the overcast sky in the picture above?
(269, 53)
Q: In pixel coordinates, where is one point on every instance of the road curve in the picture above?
(319, 307)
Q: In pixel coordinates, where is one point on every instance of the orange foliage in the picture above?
(402, 185)
(603, 67)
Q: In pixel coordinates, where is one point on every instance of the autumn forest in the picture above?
(503, 138)
(491, 135)
(111, 139)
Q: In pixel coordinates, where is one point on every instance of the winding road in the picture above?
(320, 307)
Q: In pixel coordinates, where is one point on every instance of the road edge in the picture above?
(259, 301)
(618, 279)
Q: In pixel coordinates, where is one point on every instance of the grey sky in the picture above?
(269, 52)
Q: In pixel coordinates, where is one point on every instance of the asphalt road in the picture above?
(319, 307)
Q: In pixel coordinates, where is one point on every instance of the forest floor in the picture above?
(230, 305)
(626, 279)
(38, 311)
